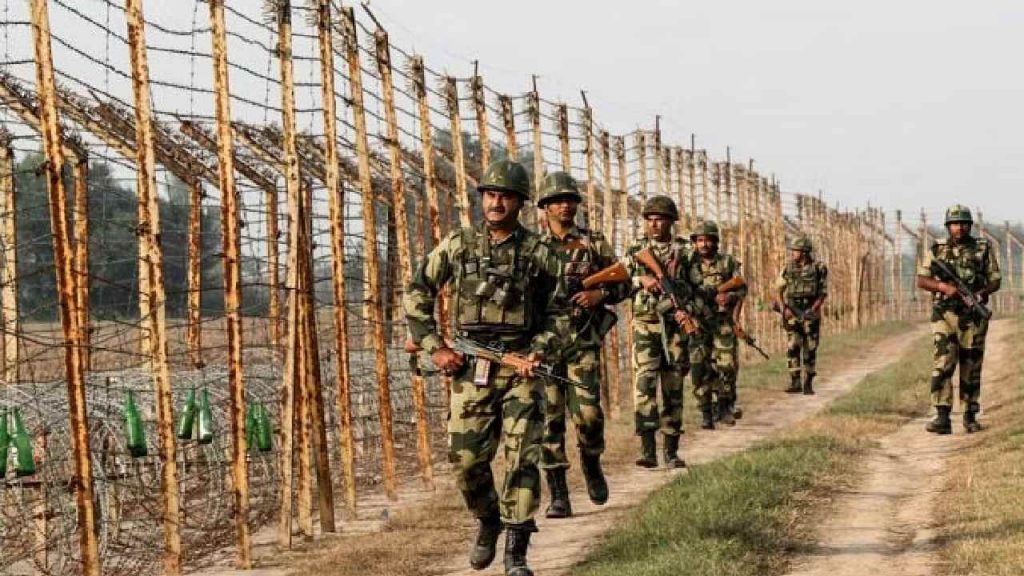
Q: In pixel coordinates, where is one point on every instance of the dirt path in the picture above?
(561, 543)
(886, 525)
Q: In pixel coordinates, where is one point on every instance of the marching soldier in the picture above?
(581, 252)
(708, 271)
(660, 345)
(802, 288)
(502, 277)
(959, 329)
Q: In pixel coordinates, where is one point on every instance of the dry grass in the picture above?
(984, 507)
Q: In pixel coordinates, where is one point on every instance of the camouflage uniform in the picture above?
(581, 252)
(508, 408)
(660, 347)
(802, 285)
(717, 334)
(959, 333)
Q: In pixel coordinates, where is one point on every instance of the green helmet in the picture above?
(661, 205)
(959, 213)
(558, 185)
(506, 176)
(705, 228)
(801, 243)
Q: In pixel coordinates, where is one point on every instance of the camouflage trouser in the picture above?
(725, 361)
(802, 353)
(584, 403)
(958, 340)
(509, 410)
(650, 361)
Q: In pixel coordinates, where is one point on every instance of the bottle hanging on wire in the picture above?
(205, 418)
(264, 432)
(134, 429)
(26, 464)
(188, 416)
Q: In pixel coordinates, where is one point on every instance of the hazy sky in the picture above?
(904, 104)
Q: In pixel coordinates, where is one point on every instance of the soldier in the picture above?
(659, 342)
(709, 269)
(958, 330)
(502, 277)
(581, 252)
(802, 287)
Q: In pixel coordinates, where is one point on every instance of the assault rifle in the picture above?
(668, 288)
(734, 283)
(495, 354)
(972, 300)
(749, 340)
(603, 318)
(801, 315)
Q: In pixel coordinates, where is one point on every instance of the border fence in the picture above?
(207, 218)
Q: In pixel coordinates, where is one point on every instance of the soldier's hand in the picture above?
(447, 360)
(525, 369)
(650, 283)
(723, 300)
(588, 298)
(787, 313)
(947, 289)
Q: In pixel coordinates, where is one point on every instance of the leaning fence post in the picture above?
(451, 92)
(69, 318)
(9, 275)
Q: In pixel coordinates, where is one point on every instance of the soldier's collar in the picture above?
(573, 231)
(515, 235)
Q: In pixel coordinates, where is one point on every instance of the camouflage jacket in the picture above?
(706, 276)
(803, 284)
(582, 252)
(673, 256)
(974, 262)
(500, 291)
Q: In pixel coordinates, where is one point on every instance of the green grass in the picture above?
(746, 513)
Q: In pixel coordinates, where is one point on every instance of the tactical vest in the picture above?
(644, 303)
(707, 280)
(577, 260)
(804, 282)
(491, 285)
(969, 260)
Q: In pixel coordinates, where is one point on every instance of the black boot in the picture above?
(482, 554)
(971, 423)
(808, 380)
(725, 415)
(560, 506)
(597, 486)
(737, 411)
(794, 384)
(672, 459)
(707, 420)
(648, 450)
(517, 540)
(941, 423)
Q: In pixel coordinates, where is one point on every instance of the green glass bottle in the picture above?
(188, 416)
(5, 444)
(205, 418)
(23, 444)
(264, 434)
(134, 430)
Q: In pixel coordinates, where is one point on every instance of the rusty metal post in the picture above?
(9, 273)
(69, 318)
(508, 119)
(231, 231)
(533, 110)
(612, 344)
(482, 127)
(303, 382)
(145, 165)
(628, 236)
(677, 157)
(400, 201)
(451, 93)
(702, 164)
(194, 329)
(373, 288)
(659, 167)
(590, 198)
(563, 137)
(81, 227)
(641, 146)
(335, 210)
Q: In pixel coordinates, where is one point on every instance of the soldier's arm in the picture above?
(823, 293)
(742, 292)
(926, 279)
(993, 276)
(780, 288)
(614, 293)
(419, 299)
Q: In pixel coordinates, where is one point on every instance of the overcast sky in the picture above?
(903, 104)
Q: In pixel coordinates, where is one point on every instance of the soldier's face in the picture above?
(706, 245)
(658, 227)
(958, 230)
(796, 256)
(563, 210)
(501, 209)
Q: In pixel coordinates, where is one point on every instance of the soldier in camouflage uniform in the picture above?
(707, 270)
(802, 288)
(959, 332)
(581, 252)
(502, 277)
(660, 346)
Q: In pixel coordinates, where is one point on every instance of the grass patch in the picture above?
(984, 507)
(747, 513)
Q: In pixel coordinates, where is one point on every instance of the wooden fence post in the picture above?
(9, 273)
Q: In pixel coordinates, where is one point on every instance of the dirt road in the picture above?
(886, 524)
